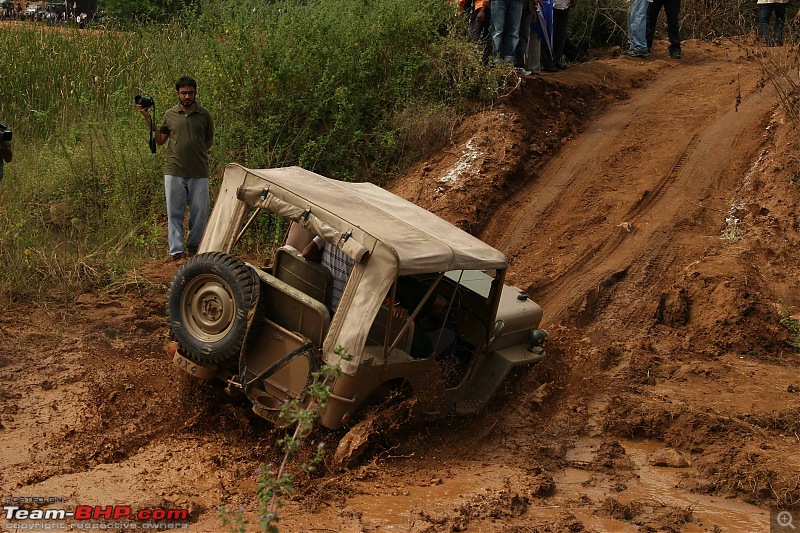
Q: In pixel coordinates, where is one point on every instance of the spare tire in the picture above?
(209, 301)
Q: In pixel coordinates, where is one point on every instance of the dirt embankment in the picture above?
(648, 205)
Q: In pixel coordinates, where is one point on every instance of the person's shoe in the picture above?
(550, 69)
(191, 252)
(562, 66)
(178, 256)
(675, 54)
(522, 72)
(637, 53)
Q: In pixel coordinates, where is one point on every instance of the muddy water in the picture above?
(400, 508)
(661, 485)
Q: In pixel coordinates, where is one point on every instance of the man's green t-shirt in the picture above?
(186, 154)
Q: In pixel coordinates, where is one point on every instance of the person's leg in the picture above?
(499, 8)
(780, 21)
(672, 9)
(637, 27)
(524, 35)
(560, 24)
(764, 12)
(653, 9)
(513, 20)
(199, 207)
(486, 34)
(176, 194)
(533, 59)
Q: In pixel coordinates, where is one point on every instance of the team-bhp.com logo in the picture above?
(118, 517)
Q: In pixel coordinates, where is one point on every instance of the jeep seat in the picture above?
(311, 278)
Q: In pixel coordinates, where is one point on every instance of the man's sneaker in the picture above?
(640, 53)
(178, 256)
(522, 72)
(675, 54)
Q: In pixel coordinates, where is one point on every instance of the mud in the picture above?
(650, 206)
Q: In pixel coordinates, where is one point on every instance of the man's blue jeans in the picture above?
(637, 27)
(181, 192)
(506, 20)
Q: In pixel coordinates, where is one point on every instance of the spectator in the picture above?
(189, 133)
(551, 62)
(765, 10)
(637, 29)
(506, 21)
(672, 9)
(480, 23)
(529, 57)
(524, 38)
(5, 153)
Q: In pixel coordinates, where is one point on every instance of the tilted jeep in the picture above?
(264, 330)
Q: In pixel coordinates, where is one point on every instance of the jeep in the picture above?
(264, 331)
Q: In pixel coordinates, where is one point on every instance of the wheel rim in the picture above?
(207, 308)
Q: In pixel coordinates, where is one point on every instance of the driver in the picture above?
(431, 335)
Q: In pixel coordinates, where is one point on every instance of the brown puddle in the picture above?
(400, 508)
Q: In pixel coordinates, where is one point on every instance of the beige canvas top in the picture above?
(386, 235)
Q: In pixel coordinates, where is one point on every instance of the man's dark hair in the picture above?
(185, 81)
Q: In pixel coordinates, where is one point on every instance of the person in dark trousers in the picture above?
(765, 10)
(188, 130)
(552, 62)
(5, 152)
(672, 8)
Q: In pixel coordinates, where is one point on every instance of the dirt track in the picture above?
(616, 178)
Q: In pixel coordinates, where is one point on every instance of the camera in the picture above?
(144, 101)
(5, 133)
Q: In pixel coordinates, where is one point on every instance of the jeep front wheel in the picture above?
(209, 301)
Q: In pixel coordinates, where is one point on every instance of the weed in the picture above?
(792, 325)
(298, 416)
(731, 234)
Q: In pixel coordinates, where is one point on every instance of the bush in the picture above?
(353, 89)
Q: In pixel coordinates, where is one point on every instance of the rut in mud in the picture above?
(648, 206)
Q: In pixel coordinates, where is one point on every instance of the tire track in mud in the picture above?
(640, 159)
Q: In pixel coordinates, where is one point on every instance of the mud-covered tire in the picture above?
(208, 303)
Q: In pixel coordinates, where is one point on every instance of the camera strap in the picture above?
(152, 142)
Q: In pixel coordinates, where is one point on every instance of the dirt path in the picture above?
(649, 206)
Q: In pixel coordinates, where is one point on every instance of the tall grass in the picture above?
(349, 88)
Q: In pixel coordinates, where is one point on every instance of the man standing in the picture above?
(189, 132)
(551, 59)
(765, 10)
(506, 21)
(480, 24)
(672, 9)
(5, 150)
(637, 29)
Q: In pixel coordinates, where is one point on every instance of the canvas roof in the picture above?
(421, 241)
